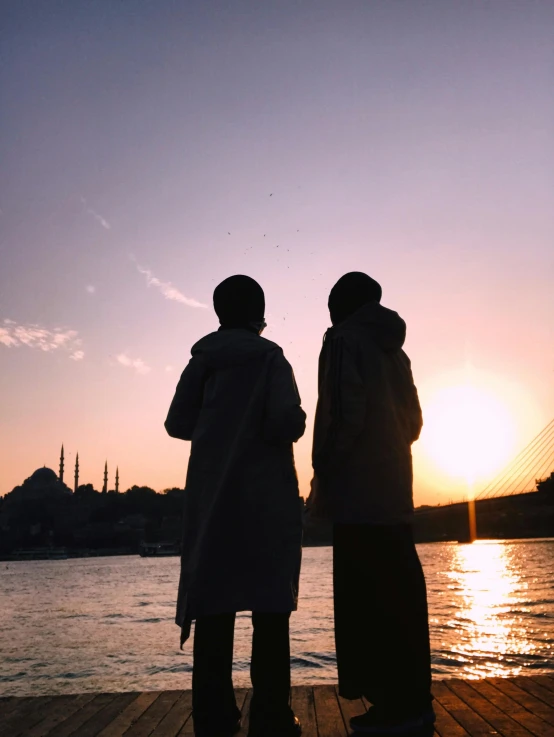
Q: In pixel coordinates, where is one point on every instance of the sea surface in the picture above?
(106, 624)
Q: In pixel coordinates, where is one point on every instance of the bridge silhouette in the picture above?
(522, 514)
(533, 463)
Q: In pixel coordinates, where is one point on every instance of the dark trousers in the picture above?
(213, 698)
(381, 619)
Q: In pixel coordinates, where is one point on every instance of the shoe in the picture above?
(378, 722)
(295, 729)
(218, 732)
(292, 729)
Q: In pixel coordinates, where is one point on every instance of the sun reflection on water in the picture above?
(491, 612)
(490, 589)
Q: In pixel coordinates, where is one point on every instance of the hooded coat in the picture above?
(368, 415)
(238, 403)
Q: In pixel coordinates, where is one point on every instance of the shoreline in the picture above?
(53, 554)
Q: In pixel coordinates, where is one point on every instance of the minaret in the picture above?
(105, 487)
(61, 465)
(117, 480)
(76, 484)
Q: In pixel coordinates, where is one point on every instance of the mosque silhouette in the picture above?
(46, 478)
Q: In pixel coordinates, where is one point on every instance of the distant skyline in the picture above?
(149, 150)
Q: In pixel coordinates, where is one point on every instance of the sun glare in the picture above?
(468, 433)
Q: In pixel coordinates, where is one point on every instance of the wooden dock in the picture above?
(509, 707)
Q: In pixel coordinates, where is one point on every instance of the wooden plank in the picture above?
(153, 715)
(530, 696)
(60, 710)
(328, 713)
(350, 708)
(176, 717)
(545, 682)
(528, 701)
(446, 725)
(16, 705)
(487, 710)
(534, 694)
(513, 708)
(303, 705)
(245, 714)
(129, 715)
(28, 713)
(243, 697)
(536, 690)
(32, 715)
(106, 715)
(461, 712)
(187, 730)
(72, 725)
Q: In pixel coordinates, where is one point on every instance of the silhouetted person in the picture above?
(238, 402)
(368, 415)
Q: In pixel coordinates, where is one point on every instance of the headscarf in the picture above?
(352, 291)
(238, 302)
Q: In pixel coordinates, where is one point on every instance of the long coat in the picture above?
(238, 403)
(368, 415)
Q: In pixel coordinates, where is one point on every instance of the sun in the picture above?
(468, 432)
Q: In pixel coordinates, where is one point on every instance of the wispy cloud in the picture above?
(168, 290)
(15, 335)
(91, 289)
(103, 222)
(135, 363)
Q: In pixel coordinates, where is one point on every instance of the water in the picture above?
(106, 624)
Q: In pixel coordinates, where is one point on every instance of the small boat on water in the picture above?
(158, 550)
(39, 554)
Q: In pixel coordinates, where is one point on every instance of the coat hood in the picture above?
(233, 347)
(385, 326)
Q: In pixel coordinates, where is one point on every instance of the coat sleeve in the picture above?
(187, 402)
(414, 408)
(341, 408)
(284, 419)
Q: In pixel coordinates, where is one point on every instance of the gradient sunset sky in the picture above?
(152, 148)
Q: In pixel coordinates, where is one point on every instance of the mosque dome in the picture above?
(42, 483)
(43, 477)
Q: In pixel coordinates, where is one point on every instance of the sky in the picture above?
(151, 149)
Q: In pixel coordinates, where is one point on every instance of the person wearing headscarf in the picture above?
(238, 403)
(368, 415)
